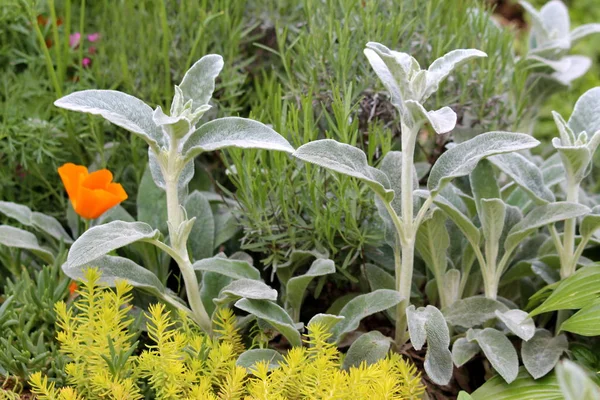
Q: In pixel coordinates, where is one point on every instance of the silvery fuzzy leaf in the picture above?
(121, 109)
(347, 160)
(590, 223)
(484, 184)
(586, 113)
(576, 159)
(498, 350)
(450, 286)
(442, 120)
(525, 174)
(473, 311)
(542, 216)
(16, 211)
(391, 166)
(250, 358)
(201, 239)
(463, 351)
(560, 65)
(578, 66)
(362, 306)
(51, 226)
(582, 31)
(246, 289)
(236, 269)
(461, 159)
(237, 132)
(368, 348)
(462, 221)
(20, 239)
(539, 34)
(541, 353)
(432, 243)
(175, 127)
(296, 286)
(274, 315)
(428, 324)
(226, 227)
(211, 285)
(328, 320)
(492, 215)
(393, 69)
(184, 179)
(151, 202)
(575, 383)
(439, 70)
(555, 16)
(518, 322)
(380, 279)
(198, 82)
(102, 239)
(567, 136)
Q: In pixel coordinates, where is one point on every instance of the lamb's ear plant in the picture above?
(394, 183)
(174, 140)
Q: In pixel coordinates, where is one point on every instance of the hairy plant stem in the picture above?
(172, 172)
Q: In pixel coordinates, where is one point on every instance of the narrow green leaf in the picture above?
(585, 322)
(274, 315)
(523, 387)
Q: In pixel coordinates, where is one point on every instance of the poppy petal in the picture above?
(98, 179)
(71, 176)
(117, 190)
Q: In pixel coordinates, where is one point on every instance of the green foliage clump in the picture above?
(97, 336)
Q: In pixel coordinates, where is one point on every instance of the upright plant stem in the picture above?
(175, 217)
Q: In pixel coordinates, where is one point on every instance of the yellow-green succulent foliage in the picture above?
(183, 363)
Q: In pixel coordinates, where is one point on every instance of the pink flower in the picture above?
(93, 37)
(86, 62)
(74, 39)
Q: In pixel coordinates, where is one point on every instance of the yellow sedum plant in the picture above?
(184, 363)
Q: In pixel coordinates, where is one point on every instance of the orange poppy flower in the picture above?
(91, 194)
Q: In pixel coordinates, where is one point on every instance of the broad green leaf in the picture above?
(541, 353)
(296, 287)
(151, 203)
(103, 239)
(483, 183)
(115, 268)
(347, 160)
(462, 221)
(463, 351)
(518, 322)
(236, 269)
(250, 358)
(473, 311)
(498, 350)
(575, 383)
(368, 348)
(121, 109)
(432, 243)
(590, 223)
(461, 159)
(233, 132)
(585, 116)
(198, 82)
(362, 306)
(576, 291)
(202, 236)
(462, 395)
(492, 213)
(542, 216)
(443, 66)
(274, 315)
(247, 289)
(585, 322)
(210, 288)
(428, 324)
(523, 387)
(20, 239)
(525, 174)
(442, 120)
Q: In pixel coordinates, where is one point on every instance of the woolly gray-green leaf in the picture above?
(121, 109)
(428, 324)
(541, 353)
(576, 159)
(368, 348)
(16, 211)
(198, 82)
(20, 239)
(432, 243)
(542, 216)
(362, 306)
(296, 286)
(585, 322)
(392, 68)
(102, 239)
(247, 289)
(274, 315)
(443, 66)
(51, 226)
(237, 132)
(498, 350)
(473, 311)
(525, 174)
(462, 221)
(328, 320)
(250, 358)
(586, 113)
(461, 159)
(463, 351)
(210, 288)
(582, 31)
(576, 291)
(347, 160)
(151, 203)
(235, 269)
(380, 279)
(590, 223)
(492, 214)
(202, 236)
(442, 120)
(518, 322)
